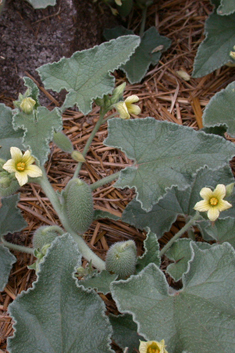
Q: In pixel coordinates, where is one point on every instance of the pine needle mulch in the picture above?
(163, 95)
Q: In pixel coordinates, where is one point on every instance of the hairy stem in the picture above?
(180, 233)
(143, 21)
(82, 246)
(89, 141)
(104, 181)
(17, 247)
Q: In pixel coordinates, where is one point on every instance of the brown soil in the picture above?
(162, 93)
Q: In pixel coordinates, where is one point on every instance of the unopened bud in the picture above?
(183, 74)
(63, 142)
(27, 105)
(77, 156)
(118, 93)
(229, 189)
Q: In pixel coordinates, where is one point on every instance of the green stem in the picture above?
(104, 181)
(82, 246)
(143, 21)
(89, 141)
(17, 247)
(180, 233)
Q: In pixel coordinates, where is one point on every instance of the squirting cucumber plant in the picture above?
(176, 170)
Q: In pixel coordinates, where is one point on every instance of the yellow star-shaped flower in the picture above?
(152, 347)
(22, 166)
(213, 202)
(126, 107)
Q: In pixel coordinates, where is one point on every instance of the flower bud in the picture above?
(45, 235)
(121, 258)
(77, 156)
(27, 105)
(63, 142)
(118, 93)
(8, 185)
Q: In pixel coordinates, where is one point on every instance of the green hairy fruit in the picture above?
(78, 205)
(45, 235)
(63, 142)
(121, 258)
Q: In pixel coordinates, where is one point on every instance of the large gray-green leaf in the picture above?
(99, 214)
(222, 231)
(221, 109)
(204, 308)
(151, 254)
(8, 136)
(100, 281)
(39, 130)
(86, 75)
(227, 7)
(181, 253)
(57, 315)
(41, 4)
(125, 332)
(164, 154)
(149, 51)
(6, 262)
(176, 202)
(11, 219)
(214, 51)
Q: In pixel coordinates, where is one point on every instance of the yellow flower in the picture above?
(152, 347)
(127, 107)
(22, 166)
(118, 2)
(213, 202)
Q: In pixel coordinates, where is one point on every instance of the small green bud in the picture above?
(78, 205)
(78, 156)
(229, 189)
(27, 105)
(118, 93)
(121, 258)
(45, 235)
(63, 142)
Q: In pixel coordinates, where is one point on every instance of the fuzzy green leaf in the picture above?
(221, 109)
(164, 154)
(8, 136)
(41, 4)
(176, 202)
(100, 281)
(125, 332)
(39, 130)
(214, 51)
(11, 219)
(6, 262)
(227, 7)
(57, 315)
(148, 53)
(204, 307)
(86, 75)
(223, 230)
(181, 253)
(151, 254)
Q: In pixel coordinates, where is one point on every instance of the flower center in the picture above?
(213, 201)
(153, 348)
(20, 166)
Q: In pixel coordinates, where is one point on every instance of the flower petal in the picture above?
(22, 177)
(122, 110)
(202, 206)
(132, 99)
(223, 205)
(220, 191)
(33, 171)
(133, 109)
(16, 154)
(10, 166)
(206, 193)
(213, 214)
(143, 347)
(27, 158)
